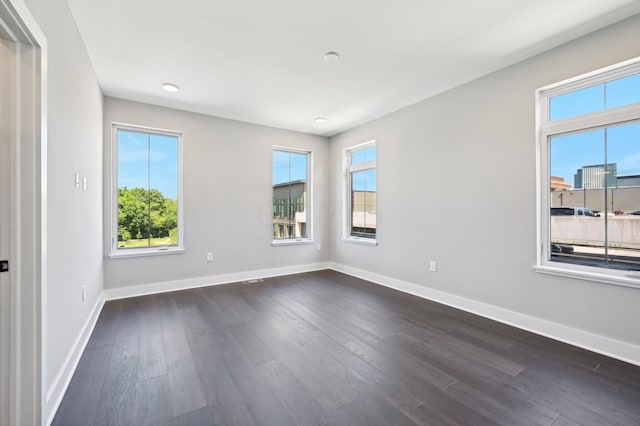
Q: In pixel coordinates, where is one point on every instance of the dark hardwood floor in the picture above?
(325, 348)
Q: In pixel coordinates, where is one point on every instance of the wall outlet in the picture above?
(209, 256)
(84, 183)
(318, 247)
(84, 293)
(76, 180)
(433, 266)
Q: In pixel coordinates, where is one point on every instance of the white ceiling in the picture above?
(262, 61)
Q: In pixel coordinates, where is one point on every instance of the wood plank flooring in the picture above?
(324, 348)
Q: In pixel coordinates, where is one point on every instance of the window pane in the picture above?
(623, 91)
(280, 161)
(577, 233)
(133, 159)
(363, 155)
(289, 180)
(163, 190)
(363, 203)
(583, 101)
(298, 167)
(623, 199)
(133, 189)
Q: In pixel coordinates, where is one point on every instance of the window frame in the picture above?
(347, 196)
(115, 252)
(545, 130)
(309, 202)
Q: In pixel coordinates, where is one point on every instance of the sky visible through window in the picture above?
(288, 167)
(148, 161)
(569, 153)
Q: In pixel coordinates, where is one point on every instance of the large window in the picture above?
(589, 145)
(291, 195)
(361, 192)
(147, 191)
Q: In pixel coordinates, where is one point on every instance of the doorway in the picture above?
(6, 83)
(22, 214)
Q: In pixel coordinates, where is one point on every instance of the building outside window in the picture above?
(147, 211)
(291, 195)
(361, 202)
(589, 161)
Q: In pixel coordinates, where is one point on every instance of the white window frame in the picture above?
(309, 207)
(115, 252)
(348, 170)
(545, 129)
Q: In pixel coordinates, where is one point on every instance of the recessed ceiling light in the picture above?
(331, 56)
(320, 120)
(170, 87)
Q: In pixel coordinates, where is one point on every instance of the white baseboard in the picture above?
(162, 287)
(603, 345)
(56, 391)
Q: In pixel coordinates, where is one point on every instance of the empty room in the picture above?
(346, 213)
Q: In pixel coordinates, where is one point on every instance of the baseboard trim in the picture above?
(600, 344)
(56, 391)
(162, 287)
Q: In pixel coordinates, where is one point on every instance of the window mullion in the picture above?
(362, 166)
(588, 121)
(606, 206)
(149, 190)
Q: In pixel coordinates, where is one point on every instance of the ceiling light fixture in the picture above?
(320, 120)
(170, 87)
(331, 56)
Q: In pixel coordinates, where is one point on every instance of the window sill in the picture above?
(363, 241)
(291, 242)
(625, 279)
(146, 252)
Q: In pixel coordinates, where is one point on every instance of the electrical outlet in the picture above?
(84, 183)
(318, 246)
(76, 180)
(209, 256)
(433, 266)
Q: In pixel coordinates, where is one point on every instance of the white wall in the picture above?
(74, 217)
(227, 198)
(481, 136)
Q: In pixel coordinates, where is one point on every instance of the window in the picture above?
(147, 212)
(291, 195)
(361, 193)
(589, 163)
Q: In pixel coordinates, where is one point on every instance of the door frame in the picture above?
(28, 187)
